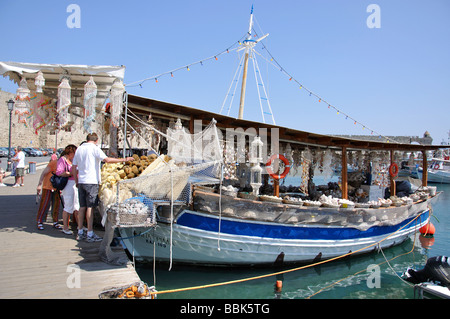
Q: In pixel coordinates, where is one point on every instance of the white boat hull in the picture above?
(436, 176)
(193, 245)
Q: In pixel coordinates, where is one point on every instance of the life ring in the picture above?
(287, 166)
(393, 169)
(436, 166)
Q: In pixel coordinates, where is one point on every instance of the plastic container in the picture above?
(432, 190)
(32, 167)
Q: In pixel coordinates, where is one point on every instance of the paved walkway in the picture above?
(47, 263)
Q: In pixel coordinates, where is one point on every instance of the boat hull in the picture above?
(437, 177)
(196, 239)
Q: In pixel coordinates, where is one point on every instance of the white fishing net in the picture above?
(163, 187)
(200, 147)
(194, 159)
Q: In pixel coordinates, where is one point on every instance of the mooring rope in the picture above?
(363, 270)
(285, 271)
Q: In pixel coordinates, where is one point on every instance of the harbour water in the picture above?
(366, 276)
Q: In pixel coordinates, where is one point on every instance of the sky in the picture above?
(393, 79)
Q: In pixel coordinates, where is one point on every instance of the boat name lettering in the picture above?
(160, 241)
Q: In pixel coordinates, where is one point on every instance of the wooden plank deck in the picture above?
(47, 263)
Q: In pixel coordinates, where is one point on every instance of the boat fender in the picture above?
(393, 169)
(279, 285)
(287, 166)
(428, 229)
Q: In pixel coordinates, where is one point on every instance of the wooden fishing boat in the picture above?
(204, 204)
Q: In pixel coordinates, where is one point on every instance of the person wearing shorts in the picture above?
(20, 168)
(86, 171)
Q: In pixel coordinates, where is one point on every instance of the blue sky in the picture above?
(394, 79)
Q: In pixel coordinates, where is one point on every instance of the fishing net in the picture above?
(358, 218)
(193, 159)
(163, 187)
(136, 290)
(200, 147)
(169, 183)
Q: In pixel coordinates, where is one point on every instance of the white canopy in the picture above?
(104, 76)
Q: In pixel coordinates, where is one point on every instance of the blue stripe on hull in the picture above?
(266, 230)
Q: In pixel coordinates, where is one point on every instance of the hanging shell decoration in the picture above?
(64, 101)
(22, 105)
(90, 100)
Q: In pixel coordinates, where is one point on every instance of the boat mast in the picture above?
(248, 44)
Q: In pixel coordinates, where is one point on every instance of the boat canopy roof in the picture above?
(165, 109)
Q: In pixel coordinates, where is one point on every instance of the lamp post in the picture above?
(10, 104)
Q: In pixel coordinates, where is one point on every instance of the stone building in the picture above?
(425, 140)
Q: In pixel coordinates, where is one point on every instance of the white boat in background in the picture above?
(438, 171)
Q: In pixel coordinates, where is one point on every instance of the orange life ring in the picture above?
(287, 166)
(393, 169)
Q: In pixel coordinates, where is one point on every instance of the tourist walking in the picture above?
(19, 159)
(49, 195)
(87, 163)
(70, 192)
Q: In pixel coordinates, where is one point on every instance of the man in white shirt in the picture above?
(20, 168)
(86, 171)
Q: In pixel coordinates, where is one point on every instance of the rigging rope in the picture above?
(276, 64)
(272, 61)
(237, 74)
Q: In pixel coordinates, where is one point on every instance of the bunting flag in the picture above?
(188, 66)
(274, 62)
(320, 99)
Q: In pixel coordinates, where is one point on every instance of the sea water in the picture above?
(366, 276)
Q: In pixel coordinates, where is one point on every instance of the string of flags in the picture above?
(320, 99)
(291, 78)
(185, 67)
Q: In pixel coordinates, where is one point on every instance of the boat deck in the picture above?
(47, 263)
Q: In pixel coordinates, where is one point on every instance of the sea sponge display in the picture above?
(112, 173)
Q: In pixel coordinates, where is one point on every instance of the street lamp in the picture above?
(10, 104)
